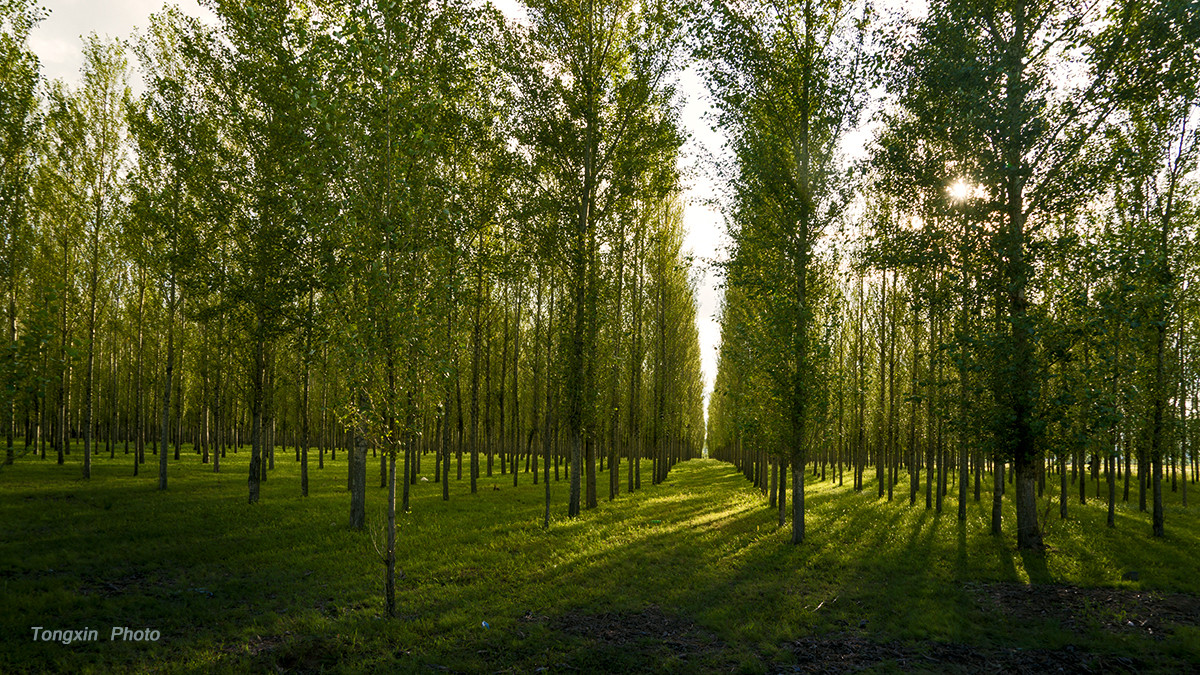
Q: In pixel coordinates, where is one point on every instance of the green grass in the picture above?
(285, 585)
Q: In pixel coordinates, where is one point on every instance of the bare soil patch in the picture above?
(650, 627)
(1148, 613)
(838, 653)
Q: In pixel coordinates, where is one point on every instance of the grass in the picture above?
(285, 585)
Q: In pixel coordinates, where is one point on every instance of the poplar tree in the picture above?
(978, 81)
(19, 77)
(263, 87)
(788, 83)
(102, 99)
(607, 101)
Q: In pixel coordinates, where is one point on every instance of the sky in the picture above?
(57, 42)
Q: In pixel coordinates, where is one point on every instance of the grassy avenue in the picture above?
(689, 576)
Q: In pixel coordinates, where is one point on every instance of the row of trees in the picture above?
(1011, 285)
(390, 227)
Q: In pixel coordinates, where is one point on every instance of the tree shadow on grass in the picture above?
(703, 548)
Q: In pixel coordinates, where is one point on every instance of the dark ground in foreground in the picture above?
(689, 576)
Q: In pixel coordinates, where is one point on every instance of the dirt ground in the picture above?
(1114, 610)
(653, 635)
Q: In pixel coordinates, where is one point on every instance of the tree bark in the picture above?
(997, 493)
(256, 405)
(166, 402)
(358, 476)
(475, 351)
(390, 557)
(304, 441)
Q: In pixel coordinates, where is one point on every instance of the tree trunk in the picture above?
(537, 383)
(1019, 395)
(997, 493)
(501, 396)
(515, 446)
(256, 405)
(9, 456)
(798, 502)
(880, 417)
(475, 351)
(550, 430)
(179, 393)
(782, 494)
(89, 382)
(218, 419)
(166, 402)
(358, 475)
(390, 559)
(446, 432)
(304, 442)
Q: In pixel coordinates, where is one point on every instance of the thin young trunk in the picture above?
(458, 448)
(614, 466)
(575, 367)
(256, 412)
(268, 424)
(894, 471)
(202, 411)
(1184, 437)
(997, 493)
(914, 459)
(537, 385)
(180, 388)
(590, 457)
(409, 435)
(635, 370)
(304, 402)
(324, 408)
(547, 449)
(487, 392)
(61, 436)
(880, 417)
(357, 478)
(166, 403)
(89, 381)
(798, 502)
(218, 419)
(549, 431)
(445, 449)
(113, 406)
(934, 441)
(929, 419)
(782, 495)
(1127, 451)
(773, 490)
(475, 352)
(9, 455)
(390, 556)
(501, 396)
(1158, 432)
(1110, 464)
(515, 445)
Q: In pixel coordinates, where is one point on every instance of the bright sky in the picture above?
(57, 42)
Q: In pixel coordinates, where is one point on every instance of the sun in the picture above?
(960, 190)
